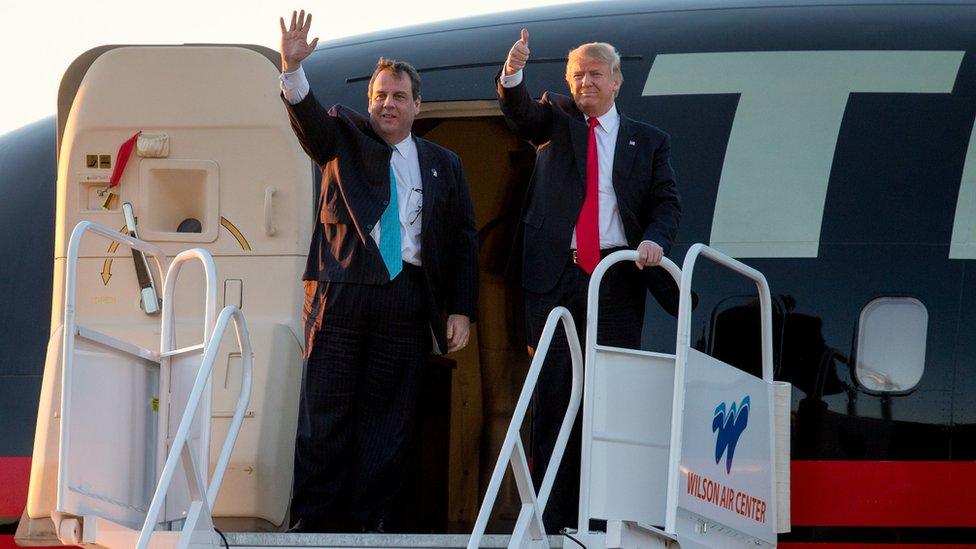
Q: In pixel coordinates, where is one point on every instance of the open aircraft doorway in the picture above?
(489, 373)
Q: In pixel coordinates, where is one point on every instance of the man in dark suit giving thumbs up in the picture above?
(602, 182)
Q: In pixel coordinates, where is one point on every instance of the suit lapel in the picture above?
(623, 155)
(579, 134)
(427, 176)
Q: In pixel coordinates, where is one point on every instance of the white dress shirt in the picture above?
(611, 228)
(294, 85)
(410, 199)
(406, 167)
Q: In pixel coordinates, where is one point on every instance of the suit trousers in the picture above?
(620, 322)
(366, 346)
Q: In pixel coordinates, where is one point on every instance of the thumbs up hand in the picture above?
(518, 55)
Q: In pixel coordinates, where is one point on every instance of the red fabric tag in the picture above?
(122, 158)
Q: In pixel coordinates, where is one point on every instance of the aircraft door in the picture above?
(213, 164)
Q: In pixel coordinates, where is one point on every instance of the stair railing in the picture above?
(529, 529)
(202, 497)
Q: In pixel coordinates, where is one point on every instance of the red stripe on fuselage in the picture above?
(795, 545)
(884, 493)
(824, 493)
(14, 478)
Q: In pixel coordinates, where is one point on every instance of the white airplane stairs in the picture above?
(119, 443)
(651, 465)
(657, 465)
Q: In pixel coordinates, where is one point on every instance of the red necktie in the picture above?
(588, 224)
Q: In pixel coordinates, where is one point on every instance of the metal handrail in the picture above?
(180, 447)
(592, 314)
(167, 339)
(512, 450)
(681, 352)
(69, 328)
(214, 330)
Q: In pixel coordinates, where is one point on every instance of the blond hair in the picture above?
(599, 51)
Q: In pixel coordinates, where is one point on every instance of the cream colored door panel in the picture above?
(259, 477)
(225, 165)
(228, 140)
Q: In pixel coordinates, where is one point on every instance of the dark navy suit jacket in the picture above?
(643, 180)
(354, 193)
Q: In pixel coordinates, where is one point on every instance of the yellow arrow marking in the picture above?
(106, 271)
(237, 234)
(107, 264)
(115, 245)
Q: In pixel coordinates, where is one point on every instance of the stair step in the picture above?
(366, 541)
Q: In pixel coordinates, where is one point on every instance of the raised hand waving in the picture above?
(295, 46)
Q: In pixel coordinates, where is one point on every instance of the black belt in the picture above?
(574, 258)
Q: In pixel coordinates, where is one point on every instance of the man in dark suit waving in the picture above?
(602, 182)
(392, 274)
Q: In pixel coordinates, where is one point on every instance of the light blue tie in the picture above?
(390, 230)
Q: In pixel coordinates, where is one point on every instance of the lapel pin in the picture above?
(631, 143)
(433, 171)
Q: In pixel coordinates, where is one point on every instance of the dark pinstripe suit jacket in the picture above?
(355, 190)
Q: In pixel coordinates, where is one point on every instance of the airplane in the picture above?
(828, 145)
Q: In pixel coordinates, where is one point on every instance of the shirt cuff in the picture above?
(294, 85)
(511, 81)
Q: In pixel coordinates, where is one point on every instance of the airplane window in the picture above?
(891, 344)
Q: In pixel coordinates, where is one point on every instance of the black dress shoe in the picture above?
(298, 526)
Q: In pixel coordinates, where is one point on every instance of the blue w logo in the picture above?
(729, 425)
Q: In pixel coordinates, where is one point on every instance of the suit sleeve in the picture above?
(315, 128)
(463, 298)
(665, 210)
(530, 119)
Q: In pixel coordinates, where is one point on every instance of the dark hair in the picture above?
(398, 68)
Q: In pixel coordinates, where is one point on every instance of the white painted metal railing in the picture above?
(202, 502)
(592, 318)
(167, 344)
(198, 521)
(70, 328)
(632, 479)
(529, 530)
(684, 344)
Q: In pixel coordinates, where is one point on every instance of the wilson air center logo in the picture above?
(728, 424)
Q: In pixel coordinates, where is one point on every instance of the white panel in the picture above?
(259, 478)
(773, 185)
(112, 424)
(632, 392)
(782, 401)
(891, 344)
(736, 492)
